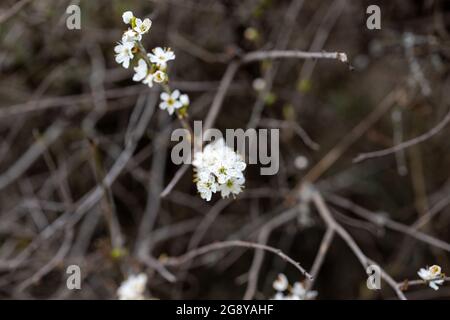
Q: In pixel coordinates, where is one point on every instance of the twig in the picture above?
(376, 154)
(263, 238)
(320, 257)
(388, 223)
(13, 10)
(31, 155)
(275, 54)
(331, 223)
(407, 283)
(176, 261)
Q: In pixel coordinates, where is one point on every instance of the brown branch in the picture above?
(364, 260)
(380, 153)
(176, 261)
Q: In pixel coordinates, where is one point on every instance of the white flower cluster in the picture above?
(126, 48)
(150, 68)
(218, 168)
(296, 292)
(432, 275)
(133, 288)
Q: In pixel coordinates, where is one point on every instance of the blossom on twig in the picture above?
(124, 53)
(161, 56)
(432, 275)
(170, 101)
(150, 67)
(287, 292)
(133, 288)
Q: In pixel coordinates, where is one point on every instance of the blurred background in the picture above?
(85, 154)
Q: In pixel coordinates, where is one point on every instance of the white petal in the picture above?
(158, 51)
(434, 285)
(127, 16)
(164, 96)
(147, 23)
(175, 94)
(163, 105)
(281, 283)
(184, 99)
(170, 109)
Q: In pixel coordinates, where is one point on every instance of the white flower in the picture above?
(141, 70)
(218, 168)
(159, 76)
(184, 99)
(131, 36)
(133, 288)
(296, 292)
(124, 53)
(149, 80)
(142, 27)
(206, 187)
(161, 56)
(432, 275)
(127, 16)
(281, 283)
(232, 185)
(170, 102)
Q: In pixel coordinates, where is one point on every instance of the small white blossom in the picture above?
(161, 56)
(127, 16)
(149, 80)
(207, 187)
(231, 186)
(131, 36)
(296, 292)
(281, 283)
(184, 99)
(140, 70)
(170, 101)
(218, 168)
(124, 53)
(143, 27)
(133, 288)
(432, 275)
(159, 76)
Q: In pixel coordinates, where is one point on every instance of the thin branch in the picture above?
(365, 261)
(388, 223)
(376, 154)
(407, 283)
(176, 261)
(320, 257)
(31, 155)
(292, 54)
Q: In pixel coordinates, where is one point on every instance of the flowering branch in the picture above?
(150, 68)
